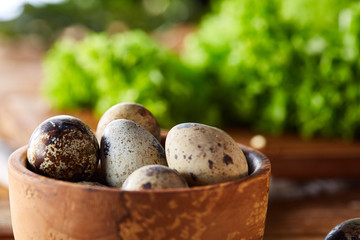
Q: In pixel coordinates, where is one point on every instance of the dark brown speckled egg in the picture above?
(64, 147)
(348, 230)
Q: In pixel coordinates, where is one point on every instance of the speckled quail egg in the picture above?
(154, 177)
(348, 230)
(64, 147)
(204, 154)
(126, 146)
(131, 111)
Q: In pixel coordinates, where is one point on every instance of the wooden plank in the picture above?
(311, 216)
(297, 158)
(5, 219)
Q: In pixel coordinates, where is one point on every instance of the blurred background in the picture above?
(282, 76)
(276, 67)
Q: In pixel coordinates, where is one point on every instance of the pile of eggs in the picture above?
(127, 150)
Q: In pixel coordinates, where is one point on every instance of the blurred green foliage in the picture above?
(46, 21)
(128, 67)
(283, 65)
(274, 65)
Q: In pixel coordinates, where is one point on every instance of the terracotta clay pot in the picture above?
(47, 209)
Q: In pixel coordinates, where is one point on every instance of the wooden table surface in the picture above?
(315, 183)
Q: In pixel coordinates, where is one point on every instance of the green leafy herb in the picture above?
(130, 67)
(274, 65)
(283, 65)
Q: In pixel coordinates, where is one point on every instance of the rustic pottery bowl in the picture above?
(47, 209)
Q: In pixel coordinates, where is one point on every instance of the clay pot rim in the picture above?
(258, 163)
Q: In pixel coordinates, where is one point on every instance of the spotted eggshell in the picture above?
(204, 155)
(126, 146)
(347, 230)
(131, 111)
(154, 177)
(64, 147)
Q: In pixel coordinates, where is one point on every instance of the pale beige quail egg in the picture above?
(131, 111)
(126, 146)
(64, 147)
(154, 177)
(204, 154)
